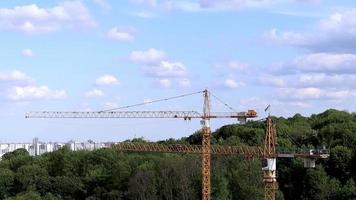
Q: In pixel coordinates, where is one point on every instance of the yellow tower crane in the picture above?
(187, 115)
(267, 151)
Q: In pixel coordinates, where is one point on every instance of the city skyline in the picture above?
(37, 147)
(296, 55)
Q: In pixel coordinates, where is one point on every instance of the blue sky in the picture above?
(297, 55)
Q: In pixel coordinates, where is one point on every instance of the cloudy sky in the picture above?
(297, 55)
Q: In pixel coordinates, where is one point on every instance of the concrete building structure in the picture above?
(38, 148)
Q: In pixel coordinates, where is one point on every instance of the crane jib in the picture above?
(187, 115)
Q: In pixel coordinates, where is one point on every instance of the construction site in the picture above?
(267, 152)
(178, 100)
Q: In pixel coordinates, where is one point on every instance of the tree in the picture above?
(220, 188)
(142, 186)
(6, 182)
(29, 175)
(112, 175)
(50, 196)
(318, 186)
(26, 196)
(16, 153)
(17, 158)
(244, 179)
(338, 165)
(347, 192)
(67, 187)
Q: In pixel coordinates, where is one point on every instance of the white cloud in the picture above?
(147, 100)
(298, 13)
(299, 104)
(327, 80)
(314, 76)
(149, 56)
(340, 22)
(28, 53)
(19, 93)
(313, 93)
(14, 75)
(235, 4)
(232, 67)
(233, 84)
(216, 5)
(169, 5)
(34, 19)
(236, 65)
(166, 69)
(15, 85)
(94, 93)
(172, 83)
(151, 3)
(234, 74)
(321, 62)
(288, 37)
(335, 33)
(166, 83)
(111, 105)
(309, 84)
(85, 106)
(301, 93)
(213, 5)
(120, 34)
(184, 83)
(186, 6)
(259, 103)
(107, 80)
(206, 5)
(143, 14)
(270, 80)
(155, 64)
(103, 4)
(306, 79)
(329, 72)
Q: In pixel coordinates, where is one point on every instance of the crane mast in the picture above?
(270, 155)
(206, 148)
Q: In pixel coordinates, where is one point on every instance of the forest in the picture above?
(109, 174)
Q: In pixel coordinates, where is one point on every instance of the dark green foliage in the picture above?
(16, 153)
(237, 134)
(6, 182)
(318, 186)
(339, 163)
(26, 196)
(108, 174)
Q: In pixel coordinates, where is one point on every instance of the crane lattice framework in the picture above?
(270, 156)
(267, 152)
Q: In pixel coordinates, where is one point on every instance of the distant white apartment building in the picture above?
(38, 148)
